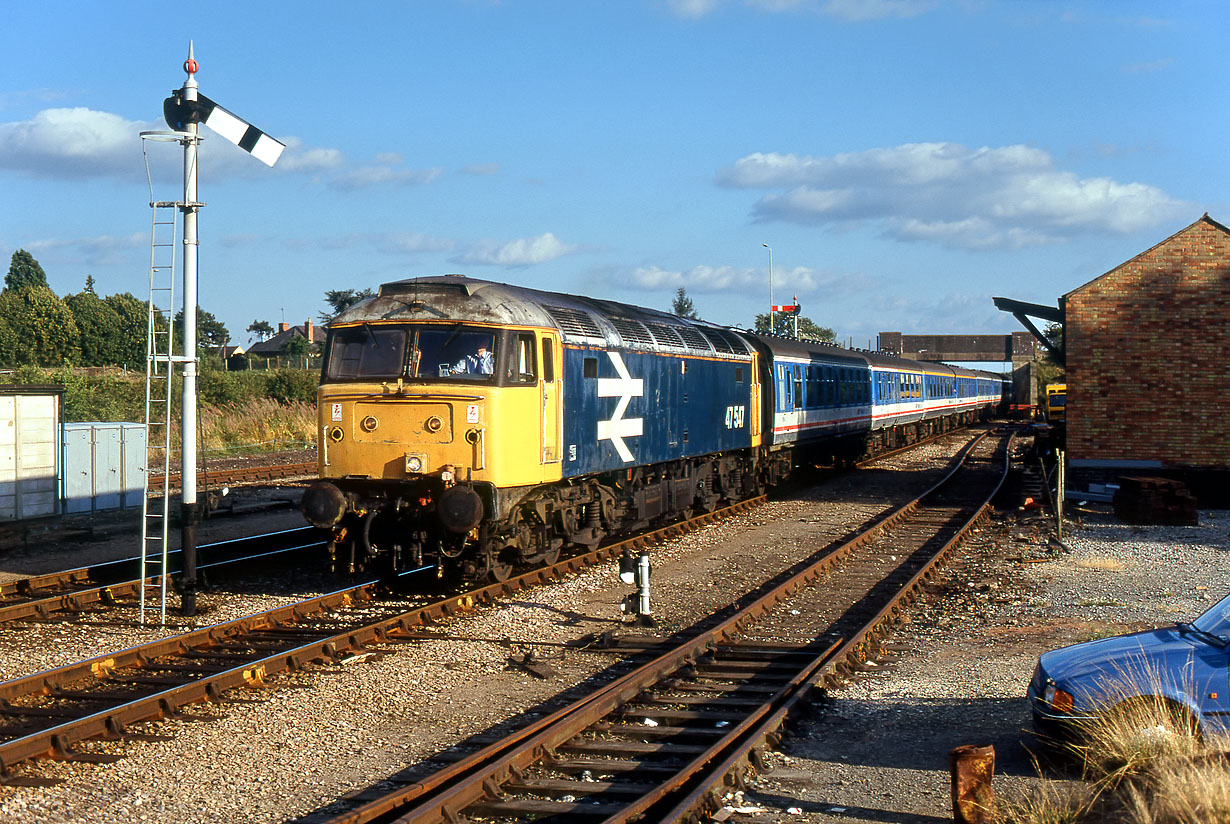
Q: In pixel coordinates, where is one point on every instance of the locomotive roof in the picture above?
(809, 350)
(580, 320)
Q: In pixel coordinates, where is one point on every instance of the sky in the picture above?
(904, 160)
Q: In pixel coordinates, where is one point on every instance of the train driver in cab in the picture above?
(479, 363)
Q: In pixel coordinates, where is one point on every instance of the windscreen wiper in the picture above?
(1205, 635)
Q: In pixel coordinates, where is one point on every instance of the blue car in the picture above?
(1186, 666)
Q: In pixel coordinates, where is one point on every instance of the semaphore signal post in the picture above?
(183, 111)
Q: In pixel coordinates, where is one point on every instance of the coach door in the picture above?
(756, 410)
(551, 399)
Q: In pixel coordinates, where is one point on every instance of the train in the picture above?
(479, 427)
(1055, 403)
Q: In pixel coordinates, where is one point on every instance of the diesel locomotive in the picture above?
(478, 426)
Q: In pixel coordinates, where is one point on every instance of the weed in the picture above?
(1100, 563)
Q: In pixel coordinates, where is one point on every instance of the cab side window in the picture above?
(522, 365)
(548, 362)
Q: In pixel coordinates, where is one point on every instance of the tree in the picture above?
(296, 347)
(36, 328)
(100, 328)
(682, 305)
(261, 328)
(784, 326)
(1054, 333)
(133, 326)
(24, 271)
(340, 300)
(210, 332)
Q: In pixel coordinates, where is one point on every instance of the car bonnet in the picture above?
(1137, 656)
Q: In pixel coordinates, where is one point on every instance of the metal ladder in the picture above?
(159, 371)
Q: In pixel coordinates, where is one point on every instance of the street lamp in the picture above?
(770, 248)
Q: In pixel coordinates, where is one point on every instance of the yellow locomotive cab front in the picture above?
(420, 424)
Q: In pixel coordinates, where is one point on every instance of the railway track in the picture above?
(662, 742)
(102, 586)
(238, 476)
(48, 714)
(114, 583)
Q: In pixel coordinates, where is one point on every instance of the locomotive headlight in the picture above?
(415, 463)
(433, 424)
(369, 423)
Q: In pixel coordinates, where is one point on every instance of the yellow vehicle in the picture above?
(1054, 405)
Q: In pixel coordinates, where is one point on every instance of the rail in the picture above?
(661, 742)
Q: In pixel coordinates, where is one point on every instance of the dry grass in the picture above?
(1048, 802)
(262, 425)
(1100, 563)
(1144, 762)
(1182, 792)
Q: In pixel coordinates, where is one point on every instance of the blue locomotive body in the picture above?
(627, 408)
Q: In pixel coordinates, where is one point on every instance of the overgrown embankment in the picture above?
(240, 412)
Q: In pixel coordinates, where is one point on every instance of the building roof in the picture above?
(1204, 222)
(273, 346)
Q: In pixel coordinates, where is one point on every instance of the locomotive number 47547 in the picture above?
(734, 417)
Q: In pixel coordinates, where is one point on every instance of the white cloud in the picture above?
(481, 169)
(100, 250)
(946, 193)
(78, 143)
(703, 279)
(297, 158)
(852, 11)
(365, 176)
(523, 252)
(691, 9)
(73, 143)
(856, 11)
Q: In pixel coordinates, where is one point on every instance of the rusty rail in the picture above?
(238, 476)
(108, 584)
(711, 666)
(48, 712)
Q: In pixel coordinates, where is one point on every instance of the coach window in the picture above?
(521, 367)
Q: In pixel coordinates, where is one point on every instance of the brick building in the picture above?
(1147, 352)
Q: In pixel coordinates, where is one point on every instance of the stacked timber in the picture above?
(1155, 501)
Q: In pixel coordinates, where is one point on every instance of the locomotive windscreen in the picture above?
(419, 352)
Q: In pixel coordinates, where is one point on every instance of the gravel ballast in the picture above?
(877, 748)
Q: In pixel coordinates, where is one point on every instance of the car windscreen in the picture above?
(431, 352)
(1216, 619)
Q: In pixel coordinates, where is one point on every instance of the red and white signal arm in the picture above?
(790, 309)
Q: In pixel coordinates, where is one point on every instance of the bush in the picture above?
(292, 385)
(118, 396)
(218, 388)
